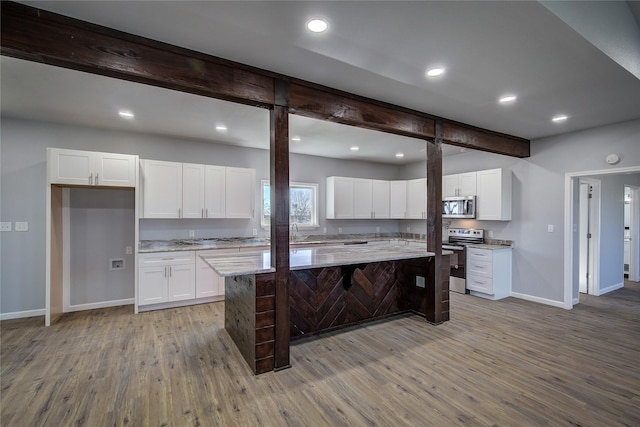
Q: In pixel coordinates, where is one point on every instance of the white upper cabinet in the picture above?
(161, 189)
(193, 186)
(214, 191)
(187, 190)
(240, 192)
(339, 197)
(75, 167)
(462, 184)
(417, 198)
(380, 198)
(398, 199)
(357, 198)
(494, 195)
(362, 198)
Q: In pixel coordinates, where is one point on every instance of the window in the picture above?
(303, 208)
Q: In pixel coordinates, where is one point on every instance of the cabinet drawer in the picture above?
(481, 268)
(480, 284)
(479, 254)
(166, 258)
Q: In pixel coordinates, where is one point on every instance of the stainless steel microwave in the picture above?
(459, 207)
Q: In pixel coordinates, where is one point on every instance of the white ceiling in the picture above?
(376, 49)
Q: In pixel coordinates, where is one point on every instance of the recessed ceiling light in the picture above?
(559, 118)
(317, 25)
(435, 72)
(126, 114)
(296, 139)
(355, 148)
(221, 128)
(399, 155)
(507, 98)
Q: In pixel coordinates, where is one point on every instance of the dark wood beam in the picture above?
(279, 159)
(348, 109)
(434, 225)
(36, 35)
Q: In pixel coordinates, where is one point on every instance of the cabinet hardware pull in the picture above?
(165, 272)
(97, 178)
(206, 213)
(179, 213)
(170, 268)
(91, 179)
(202, 212)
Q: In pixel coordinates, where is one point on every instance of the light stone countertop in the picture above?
(489, 246)
(324, 256)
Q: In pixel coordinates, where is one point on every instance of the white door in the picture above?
(214, 196)
(398, 199)
(182, 282)
(362, 198)
(634, 233)
(380, 198)
(467, 184)
(153, 285)
(239, 193)
(162, 189)
(193, 184)
(115, 170)
(70, 167)
(583, 241)
(449, 185)
(416, 198)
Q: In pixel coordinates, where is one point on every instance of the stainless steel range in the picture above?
(459, 238)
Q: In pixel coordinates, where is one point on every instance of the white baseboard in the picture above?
(21, 314)
(554, 303)
(611, 288)
(576, 301)
(102, 304)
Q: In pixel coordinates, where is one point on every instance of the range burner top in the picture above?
(465, 236)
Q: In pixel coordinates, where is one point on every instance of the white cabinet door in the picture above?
(467, 184)
(70, 166)
(380, 200)
(461, 184)
(214, 196)
(162, 189)
(416, 198)
(207, 281)
(193, 185)
(339, 197)
(449, 185)
(239, 197)
(153, 285)
(398, 199)
(494, 195)
(362, 198)
(182, 282)
(115, 170)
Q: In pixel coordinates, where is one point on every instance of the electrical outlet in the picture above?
(377, 229)
(255, 231)
(22, 226)
(490, 234)
(128, 250)
(192, 233)
(5, 226)
(339, 230)
(116, 264)
(324, 230)
(420, 282)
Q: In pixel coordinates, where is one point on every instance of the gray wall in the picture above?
(23, 184)
(101, 225)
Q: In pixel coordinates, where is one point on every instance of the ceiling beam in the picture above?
(36, 35)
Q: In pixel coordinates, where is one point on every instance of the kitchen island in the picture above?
(330, 287)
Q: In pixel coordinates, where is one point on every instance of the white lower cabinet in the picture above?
(489, 272)
(166, 277)
(208, 282)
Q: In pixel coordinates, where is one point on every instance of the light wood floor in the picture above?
(502, 363)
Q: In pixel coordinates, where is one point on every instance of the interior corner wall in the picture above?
(538, 198)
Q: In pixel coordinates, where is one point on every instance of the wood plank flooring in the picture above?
(496, 363)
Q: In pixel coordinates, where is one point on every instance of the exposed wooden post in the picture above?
(434, 225)
(279, 159)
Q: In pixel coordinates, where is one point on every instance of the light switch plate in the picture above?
(550, 228)
(5, 226)
(22, 226)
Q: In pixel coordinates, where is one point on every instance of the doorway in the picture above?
(588, 234)
(632, 232)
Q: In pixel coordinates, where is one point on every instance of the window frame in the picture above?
(315, 222)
